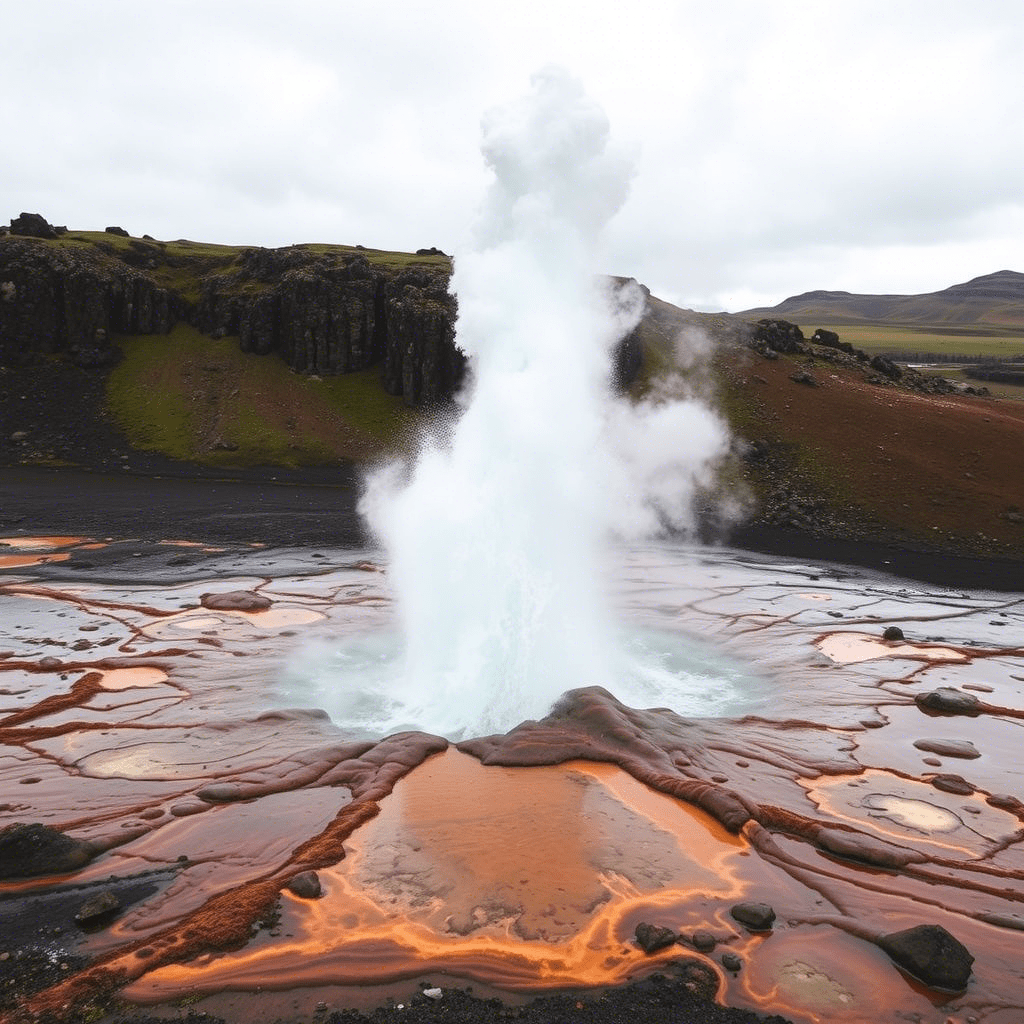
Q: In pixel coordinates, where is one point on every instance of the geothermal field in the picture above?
(164, 714)
(515, 743)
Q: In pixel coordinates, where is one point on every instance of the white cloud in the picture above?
(780, 147)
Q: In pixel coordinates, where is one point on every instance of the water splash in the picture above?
(495, 541)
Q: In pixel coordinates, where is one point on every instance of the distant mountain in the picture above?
(993, 303)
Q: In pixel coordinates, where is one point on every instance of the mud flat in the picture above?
(160, 705)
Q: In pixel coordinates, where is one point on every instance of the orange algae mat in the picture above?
(138, 718)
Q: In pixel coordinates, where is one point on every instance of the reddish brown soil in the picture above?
(941, 471)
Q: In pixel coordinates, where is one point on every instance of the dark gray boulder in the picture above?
(758, 917)
(306, 885)
(651, 937)
(949, 701)
(98, 910)
(931, 955)
(779, 336)
(32, 225)
(892, 633)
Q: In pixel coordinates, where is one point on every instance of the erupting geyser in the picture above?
(495, 538)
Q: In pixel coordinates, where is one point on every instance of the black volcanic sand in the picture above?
(154, 498)
(142, 710)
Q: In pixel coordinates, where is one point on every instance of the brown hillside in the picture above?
(993, 302)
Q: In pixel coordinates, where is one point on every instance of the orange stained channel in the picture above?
(17, 561)
(521, 877)
(39, 543)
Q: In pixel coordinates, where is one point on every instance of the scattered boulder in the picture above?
(651, 937)
(893, 633)
(432, 251)
(236, 601)
(948, 700)
(32, 225)
(306, 885)
(98, 910)
(931, 955)
(949, 748)
(35, 849)
(117, 231)
(436, 994)
(703, 941)
(758, 917)
(779, 336)
(803, 377)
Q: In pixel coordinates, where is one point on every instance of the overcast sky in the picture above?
(780, 145)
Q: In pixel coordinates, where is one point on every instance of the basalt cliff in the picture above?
(323, 309)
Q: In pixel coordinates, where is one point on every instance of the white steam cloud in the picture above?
(495, 539)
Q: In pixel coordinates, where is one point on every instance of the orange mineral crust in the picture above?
(159, 719)
(530, 878)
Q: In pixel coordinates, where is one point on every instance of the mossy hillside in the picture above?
(201, 400)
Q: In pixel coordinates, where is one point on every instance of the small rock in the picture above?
(949, 748)
(803, 377)
(703, 942)
(948, 700)
(758, 917)
(306, 885)
(651, 937)
(19, 435)
(892, 633)
(953, 784)
(930, 954)
(114, 230)
(731, 962)
(50, 663)
(236, 601)
(433, 993)
(98, 909)
(219, 792)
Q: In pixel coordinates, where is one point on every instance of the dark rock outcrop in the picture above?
(322, 312)
(421, 362)
(32, 225)
(34, 849)
(63, 299)
(887, 367)
(326, 314)
(779, 336)
(930, 954)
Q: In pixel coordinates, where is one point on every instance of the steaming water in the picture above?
(494, 539)
(364, 686)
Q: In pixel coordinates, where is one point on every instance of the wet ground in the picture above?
(146, 708)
